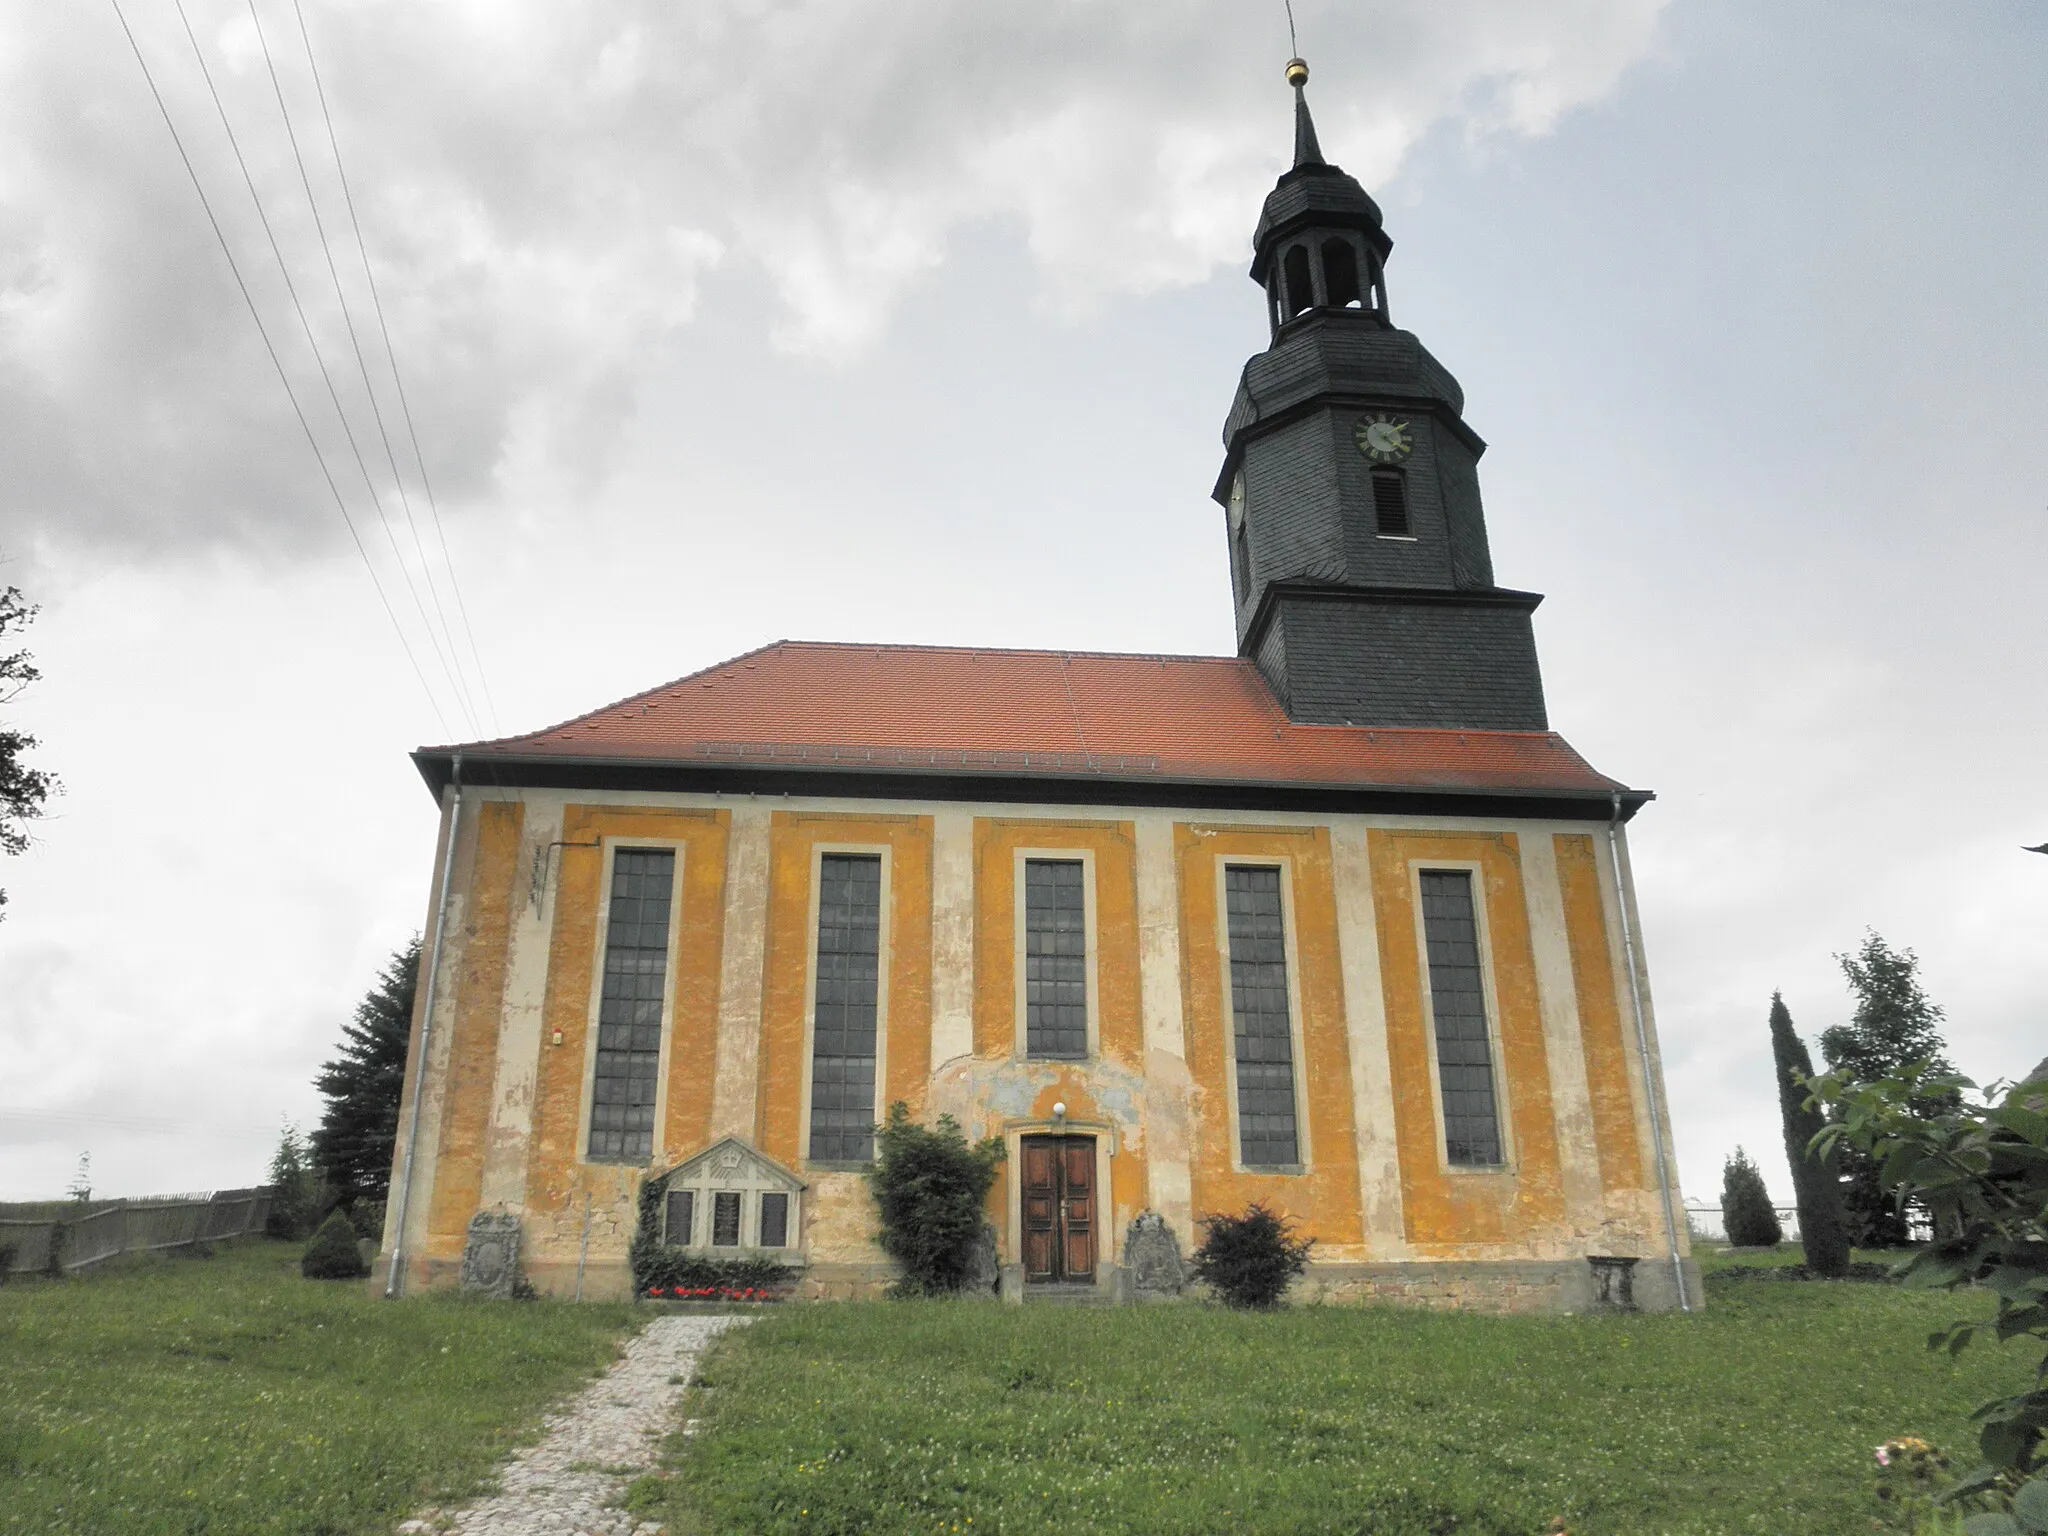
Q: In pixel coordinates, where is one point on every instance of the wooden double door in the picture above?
(1059, 1210)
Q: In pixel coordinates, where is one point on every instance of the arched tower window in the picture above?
(1241, 561)
(1389, 502)
(1340, 274)
(1300, 290)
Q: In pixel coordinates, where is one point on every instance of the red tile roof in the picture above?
(911, 708)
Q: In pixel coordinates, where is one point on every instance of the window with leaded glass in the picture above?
(629, 1006)
(1261, 1019)
(1055, 958)
(1464, 1047)
(843, 1022)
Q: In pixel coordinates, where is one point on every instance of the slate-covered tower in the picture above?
(1359, 565)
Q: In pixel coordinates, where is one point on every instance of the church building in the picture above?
(1337, 923)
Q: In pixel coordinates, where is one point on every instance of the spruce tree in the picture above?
(1816, 1184)
(1746, 1211)
(359, 1127)
(1894, 1026)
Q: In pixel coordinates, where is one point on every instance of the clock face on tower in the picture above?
(1383, 439)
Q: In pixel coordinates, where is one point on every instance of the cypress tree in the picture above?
(1817, 1188)
(359, 1127)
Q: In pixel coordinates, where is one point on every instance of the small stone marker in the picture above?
(490, 1257)
(984, 1267)
(1152, 1256)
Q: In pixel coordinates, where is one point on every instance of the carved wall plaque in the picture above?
(490, 1256)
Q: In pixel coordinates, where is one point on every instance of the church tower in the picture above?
(1359, 566)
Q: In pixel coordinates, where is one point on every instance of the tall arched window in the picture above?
(1300, 291)
(1340, 274)
(1241, 561)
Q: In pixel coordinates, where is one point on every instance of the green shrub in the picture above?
(930, 1186)
(333, 1255)
(1250, 1260)
(660, 1269)
(1746, 1211)
(1981, 1171)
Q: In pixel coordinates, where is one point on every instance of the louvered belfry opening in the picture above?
(1390, 502)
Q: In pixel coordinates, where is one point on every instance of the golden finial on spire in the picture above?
(1297, 72)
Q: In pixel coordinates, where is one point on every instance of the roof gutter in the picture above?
(549, 770)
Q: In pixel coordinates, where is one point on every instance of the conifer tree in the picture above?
(362, 1085)
(1895, 1025)
(1746, 1211)
(1816, 1183)
(294, 1189)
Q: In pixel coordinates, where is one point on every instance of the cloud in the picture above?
(543, 190)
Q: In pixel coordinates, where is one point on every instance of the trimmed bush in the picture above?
(931, 1186)
(333, 1255)
(1746, 1211)
(1250, 1260)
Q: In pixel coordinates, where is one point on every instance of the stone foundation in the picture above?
(1527, 1287)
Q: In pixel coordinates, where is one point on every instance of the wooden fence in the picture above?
(70, 1236)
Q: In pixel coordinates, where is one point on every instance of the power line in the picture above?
(391, 354)
(453, 657)
(278, 363)
(306, 325)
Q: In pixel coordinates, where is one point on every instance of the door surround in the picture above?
(1108, 1237)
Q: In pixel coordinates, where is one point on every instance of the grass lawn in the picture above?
(227, 1395)
(1758, 1416)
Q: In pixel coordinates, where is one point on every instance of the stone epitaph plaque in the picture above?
(1614, 1283)
(490, 1257)
(1152, 1257)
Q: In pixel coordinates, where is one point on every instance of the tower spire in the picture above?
(1306, 150)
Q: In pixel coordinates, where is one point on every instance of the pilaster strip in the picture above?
(1365, 1022)
(742, 960)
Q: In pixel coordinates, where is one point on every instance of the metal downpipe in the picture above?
(1651, 1079)
(394, 1282)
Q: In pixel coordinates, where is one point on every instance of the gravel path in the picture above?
(567, 1484)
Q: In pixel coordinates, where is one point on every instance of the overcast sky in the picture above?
(917, 321)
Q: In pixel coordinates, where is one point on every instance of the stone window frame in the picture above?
(755, 1183)
(1290, 927)
(818, 852)
(611, 845)
(1020, 1039)
(1503, 1106)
